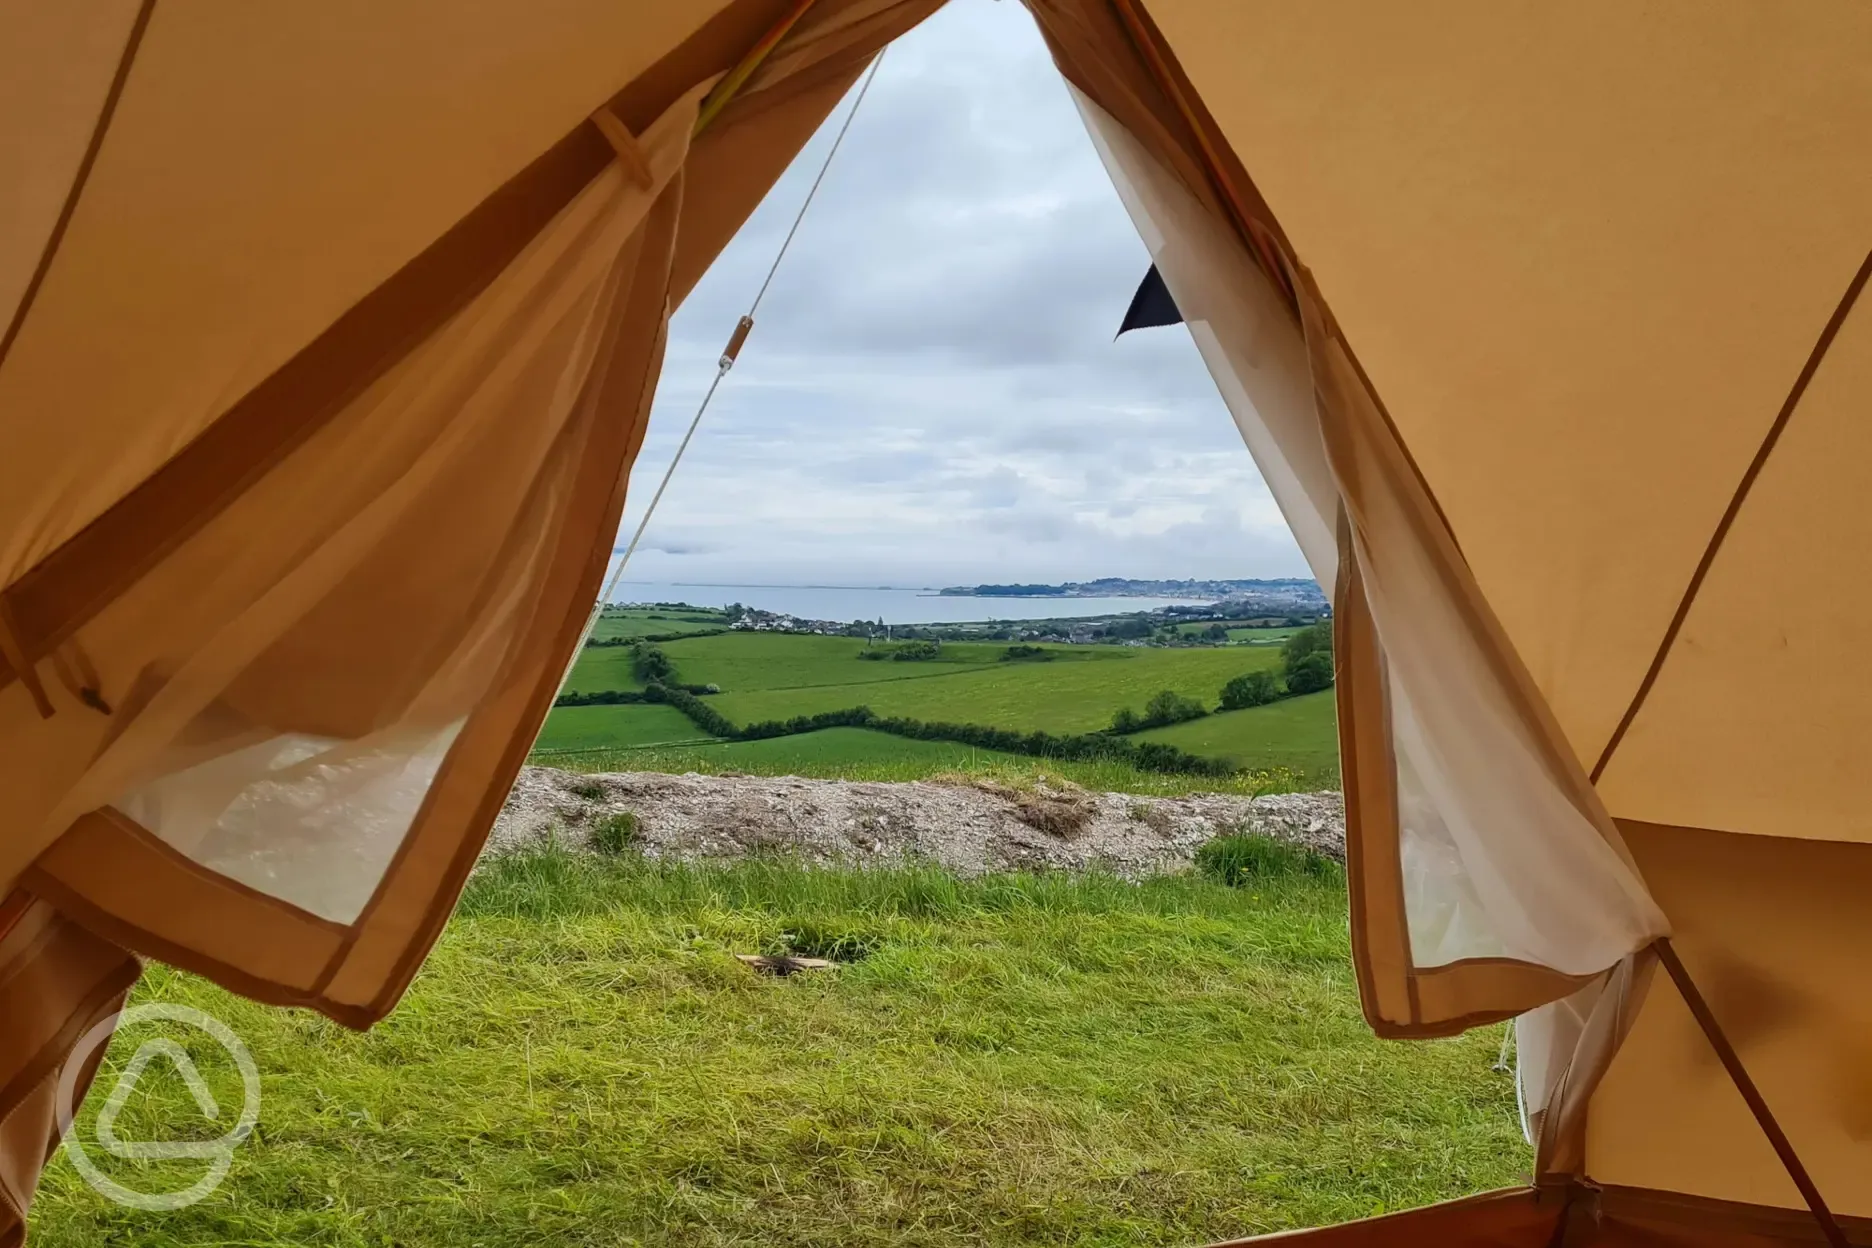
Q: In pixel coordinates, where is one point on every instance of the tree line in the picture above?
(1144, 755)
(602, 643)
(1306, 667)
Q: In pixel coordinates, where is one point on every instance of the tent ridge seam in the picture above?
(132, 42)
(1738, 1074)
(1815, 358)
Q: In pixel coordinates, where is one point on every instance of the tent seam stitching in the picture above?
(1772, 439)
(132, 43)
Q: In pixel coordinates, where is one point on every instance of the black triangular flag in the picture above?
(1152, 305)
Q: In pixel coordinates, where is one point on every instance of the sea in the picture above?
(893, 605)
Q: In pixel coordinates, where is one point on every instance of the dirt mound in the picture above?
(966, 827)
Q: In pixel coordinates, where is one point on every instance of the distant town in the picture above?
(1196, 624)
(1299, 592)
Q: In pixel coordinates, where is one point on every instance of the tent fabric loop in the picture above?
(742, 329)
(630, 153)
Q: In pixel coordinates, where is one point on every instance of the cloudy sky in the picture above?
(932, 394)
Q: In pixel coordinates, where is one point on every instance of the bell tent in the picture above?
(329, 335)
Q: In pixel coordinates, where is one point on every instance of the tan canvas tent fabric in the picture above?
(1541, 322)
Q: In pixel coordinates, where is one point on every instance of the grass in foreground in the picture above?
(861, 754)
(1016, 1060)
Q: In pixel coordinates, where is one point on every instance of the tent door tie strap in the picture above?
(630, 153)
(1764, 1117)
(14, 652)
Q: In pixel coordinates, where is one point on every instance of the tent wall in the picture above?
(311, 149)
(1600, 264)
(1758, 717)
(57, 66)
(1778, 935)
(1583, 251)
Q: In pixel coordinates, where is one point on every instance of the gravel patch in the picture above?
(966, 828)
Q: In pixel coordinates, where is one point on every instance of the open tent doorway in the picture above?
(932, 395)
(325, 357)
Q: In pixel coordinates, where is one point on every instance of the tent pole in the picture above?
(732, 81)
(1700, 1010)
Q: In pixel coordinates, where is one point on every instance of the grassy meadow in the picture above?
(1300, 732)
(857, 754)
(1076, 689)
(657, 621)
(1015, 1060)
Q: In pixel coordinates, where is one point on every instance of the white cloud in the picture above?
(932, 392)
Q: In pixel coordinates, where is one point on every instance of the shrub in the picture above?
(1250, 689)
(1148, 755)
(1315, 638)
(1169, 707)
(707, 718)
(1310, 674)
(615, 834)
(605, 642)
(626, 697)
(651, 665)
(1165, 707)
(1237, 859)
(1037, 654)
(601, 697)
(918, 652)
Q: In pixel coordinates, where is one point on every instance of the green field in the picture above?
(598, 727)
(1076, 693)
(1261, 636)
(1059, 1061)
(860, 754)
(834, 753)
(603, 667)
(1271, 636)
(656, 621)
(765, 676)
(1300, 733)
